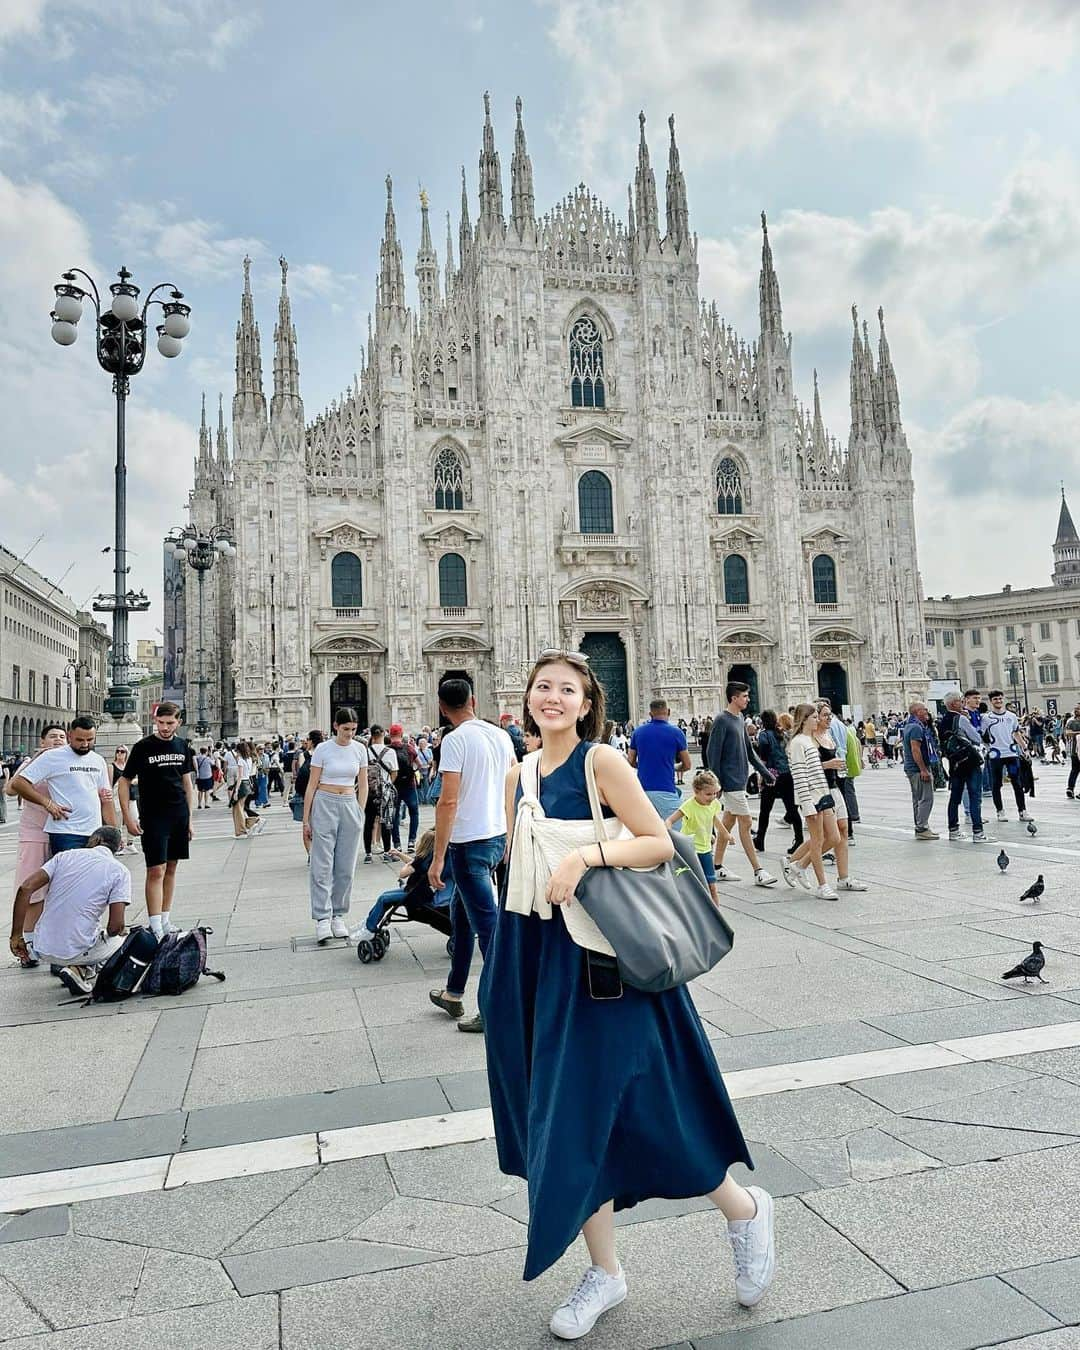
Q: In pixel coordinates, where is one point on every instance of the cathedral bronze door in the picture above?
(350, 691)
(832, 684)
(607, 657)
(747, 675)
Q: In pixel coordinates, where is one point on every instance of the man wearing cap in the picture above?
(405, 786)
(508, 722)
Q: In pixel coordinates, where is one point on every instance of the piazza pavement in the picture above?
(301, 1157)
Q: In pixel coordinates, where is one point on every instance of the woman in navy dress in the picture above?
(600, 1103)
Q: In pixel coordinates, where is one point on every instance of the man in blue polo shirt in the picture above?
(655, 749)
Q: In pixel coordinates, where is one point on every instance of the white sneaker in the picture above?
(1022, 816)
(802, 876)
(981, 837)
(851, 884)
(362, 934)
(958, 837)
(338, 927)
(323, 930)
(1002, 816)
(790, 872)
(763, 878)
(722, 874)
(597, 1292)
(753, 1245)
(826, 892)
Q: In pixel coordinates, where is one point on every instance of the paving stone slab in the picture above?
(428, 1047)
(203, 1220)
(958, 1223)
(84, 1145)
(466, 1174)
(73, 1280)
(289, 1015)
(1055, 1287)
(389, 1005)
(177, 1280)
(802, 1043)
(466, 1091)
(960, 1317)
(955, 1144)
(240, 1324)
(1063, 1063)
(932, 941)
(159, 1081)
(436, 1225)
(50, 1221)
(1051, 1104)
(811, 1113)
(1068, 1338)
(330, 1205)
(276, 1117)
(927, 1087)
(976, 1018)
(16, 1317)
(1062, 970)
(681, 1282)
(288, 1267)
(302, 1064)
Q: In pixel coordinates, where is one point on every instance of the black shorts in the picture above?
(165, 840)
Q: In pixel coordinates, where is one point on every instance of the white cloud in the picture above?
(740, 72)
(20, 17)
(194, 247)
(28, 121)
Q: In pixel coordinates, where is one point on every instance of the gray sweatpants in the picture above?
(336, 830)
(922, 800)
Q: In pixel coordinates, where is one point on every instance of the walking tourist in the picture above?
(730, 755)
(656, 748)
(381, 804)
(771, 743)
(1071, 736)
(920, 756)
(75, 791)
(815, 802)
(405, 788)
(700, 816)
(1001, 728)
(962, 746)
(603, 1096)
(33, 846)
(204, 778)
(333, 824)
(470, 820)
(831, 738)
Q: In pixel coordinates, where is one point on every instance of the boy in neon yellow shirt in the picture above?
(700, 816)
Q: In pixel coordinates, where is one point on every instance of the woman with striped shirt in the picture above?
(814, 802)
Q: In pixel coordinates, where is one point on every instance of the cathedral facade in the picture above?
(561, 444)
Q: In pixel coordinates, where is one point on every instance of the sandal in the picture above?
(28, 962)
(453, 1007)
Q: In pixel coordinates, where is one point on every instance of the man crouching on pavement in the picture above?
(82, 884)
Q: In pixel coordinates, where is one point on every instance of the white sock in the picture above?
(166, 922)
(157, 926)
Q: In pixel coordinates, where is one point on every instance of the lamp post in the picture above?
(200, 550)
(1018, 665)
(78, 669)
(120, 331)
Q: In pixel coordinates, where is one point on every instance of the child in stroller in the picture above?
(413, 896)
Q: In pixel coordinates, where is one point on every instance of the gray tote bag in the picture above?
(661, 921)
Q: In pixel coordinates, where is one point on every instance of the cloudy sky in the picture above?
(920, 156)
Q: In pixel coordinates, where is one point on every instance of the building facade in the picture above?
(560, 444)
(1026, 642)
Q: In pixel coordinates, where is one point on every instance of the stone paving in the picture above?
(936, 1207)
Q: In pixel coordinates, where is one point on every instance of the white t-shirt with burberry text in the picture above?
(72, 780)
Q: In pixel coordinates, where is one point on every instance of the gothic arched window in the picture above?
(736, 580)
(586, 364)
(453, 587)
(449, 481)
(729, 491)
(824, 572)
(346, 587)
(595, 515)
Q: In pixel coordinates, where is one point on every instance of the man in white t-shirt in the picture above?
(470, 827)
(82, 884)
(1001, 731)
(78, 796)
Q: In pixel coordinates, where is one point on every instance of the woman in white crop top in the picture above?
(334, 823)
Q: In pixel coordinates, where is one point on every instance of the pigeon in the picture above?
(1029, 966)
(1035, 890)
(1031, 827)
(1003, 860)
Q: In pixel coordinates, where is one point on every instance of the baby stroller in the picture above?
(419, 906)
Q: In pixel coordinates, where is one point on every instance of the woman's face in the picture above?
(557, 697)
(54, 739)
(345, 731)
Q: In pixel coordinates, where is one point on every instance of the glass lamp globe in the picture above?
(125, 306)
(177, 325)
(68, 308)
(169, 346)
(64, 333)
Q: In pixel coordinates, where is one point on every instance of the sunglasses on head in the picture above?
(554, 653)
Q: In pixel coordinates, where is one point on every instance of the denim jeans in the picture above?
(409, 801)
(61, 843)
(665, 802)
(462, 944)
(474, 863)
(964, 783)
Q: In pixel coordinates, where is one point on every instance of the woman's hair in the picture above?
(608, 732)
(783, 722)
(589, 725)
(768, 720)
(344, 715)
(315, 736)
(704, 778)
(425, 844)
(802, 712)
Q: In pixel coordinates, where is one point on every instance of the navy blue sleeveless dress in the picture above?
(594, 1100)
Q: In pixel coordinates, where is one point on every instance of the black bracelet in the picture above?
(603, 860)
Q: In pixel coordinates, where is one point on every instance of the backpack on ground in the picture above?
(178, 963)
(125, 971)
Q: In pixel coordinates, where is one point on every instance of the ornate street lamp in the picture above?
(201, 550)
(120, 330)
(76, 670)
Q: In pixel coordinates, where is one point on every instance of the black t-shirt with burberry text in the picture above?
(160, 767)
